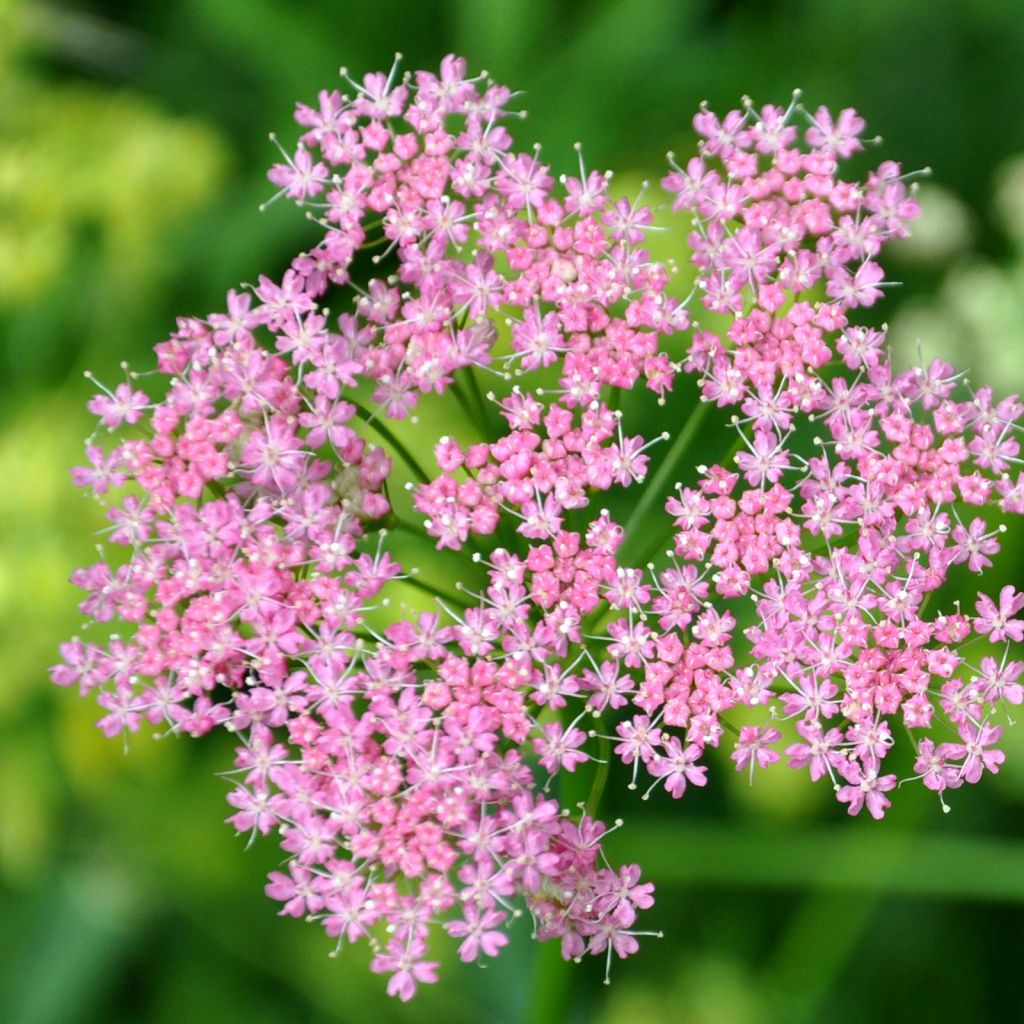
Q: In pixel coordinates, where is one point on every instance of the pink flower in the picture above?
(123, 405)
(676, 766)
(753, 748)
(300, 178)
(866, 788)
(997, 623)
(479, 934)
(559, 747)
(859, 288)
(765, 462)
(403, 961)
(840, 135)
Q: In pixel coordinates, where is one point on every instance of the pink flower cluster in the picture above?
(404, 758)
(841, 538)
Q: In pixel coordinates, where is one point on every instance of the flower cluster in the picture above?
(405, 758)
(841, 537)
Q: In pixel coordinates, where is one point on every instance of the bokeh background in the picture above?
(133, 147)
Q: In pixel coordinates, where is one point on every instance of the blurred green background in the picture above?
(132, 157)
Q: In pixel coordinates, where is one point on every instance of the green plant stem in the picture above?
(552, 986)
(478, 398)
(460, 397)
(654, 487)
(393, 522)
(664, 537)
(600, 776)
(429, 588)
(407, 457)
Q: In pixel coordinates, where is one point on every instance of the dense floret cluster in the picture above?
(405, 758)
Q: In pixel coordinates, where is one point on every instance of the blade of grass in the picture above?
(838, 858)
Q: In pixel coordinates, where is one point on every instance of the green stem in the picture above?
(216, 487)
(735, 447)
(478, 397)
(663, 538)
(728, 725)
(654, 487)
(600, 776)
(429, 588)
(460, 397)
(552, 986)
(395, 523)
(407, 456)
(598, 619)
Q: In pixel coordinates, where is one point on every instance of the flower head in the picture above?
(403, 751)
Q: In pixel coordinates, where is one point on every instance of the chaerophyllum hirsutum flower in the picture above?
(785, 601)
